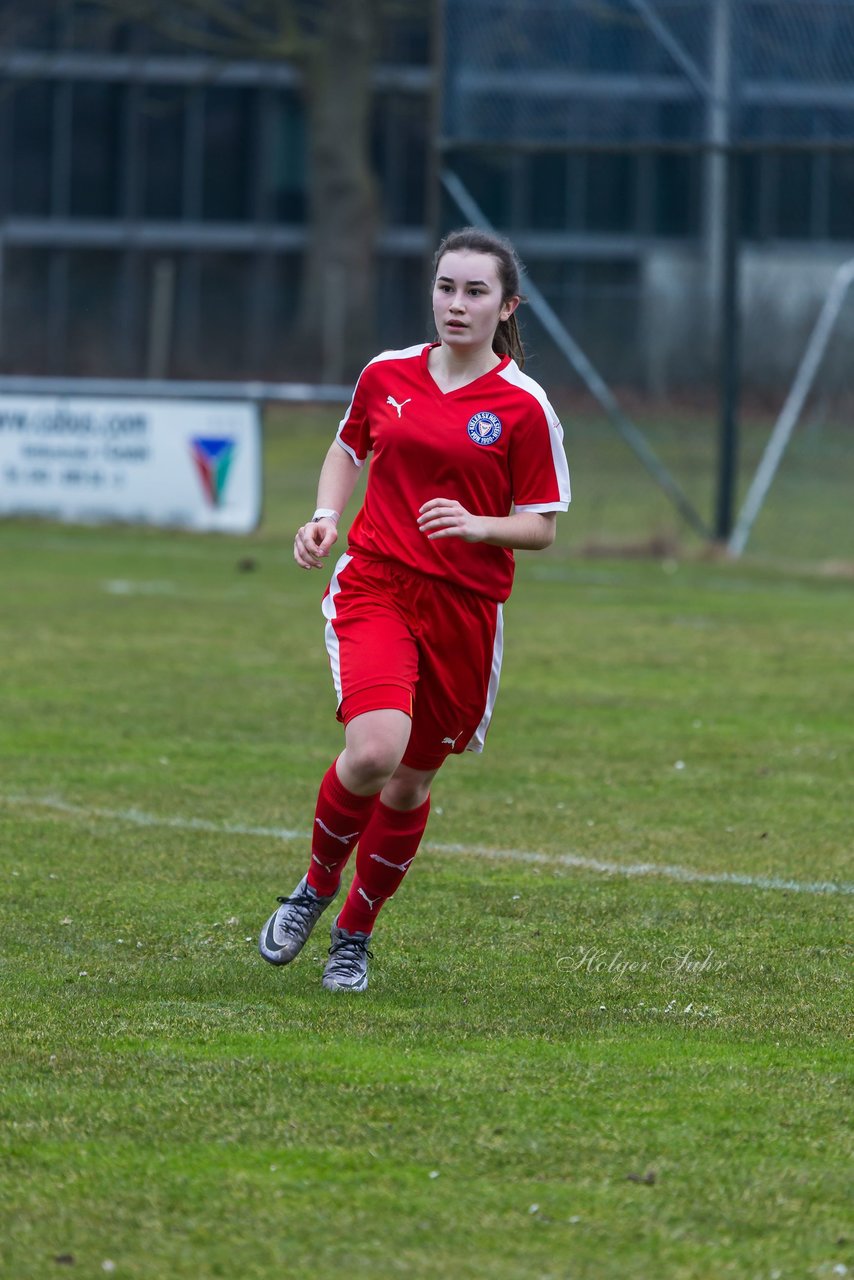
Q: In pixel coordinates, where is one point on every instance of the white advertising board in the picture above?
(182, 463)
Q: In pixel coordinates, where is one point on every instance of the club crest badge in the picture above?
(484, 427)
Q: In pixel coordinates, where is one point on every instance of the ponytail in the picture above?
(508, 340)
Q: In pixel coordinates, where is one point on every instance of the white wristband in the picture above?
(325, 513)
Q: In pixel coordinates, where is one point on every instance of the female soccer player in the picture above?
(467, 465)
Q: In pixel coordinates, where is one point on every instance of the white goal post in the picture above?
(791, 411)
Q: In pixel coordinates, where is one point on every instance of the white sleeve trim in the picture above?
(542, 507)
(408, 353)
(360, 462)
(514, 375)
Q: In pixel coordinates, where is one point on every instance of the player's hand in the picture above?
(313, 543)
(447, 518)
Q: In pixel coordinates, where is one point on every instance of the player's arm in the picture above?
(338, 478)
(522, 531)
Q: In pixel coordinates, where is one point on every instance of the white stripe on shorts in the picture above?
(479, 737)
(330, 613)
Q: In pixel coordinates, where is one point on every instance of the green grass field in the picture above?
(608, 1028)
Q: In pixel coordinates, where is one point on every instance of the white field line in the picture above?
(687, 875)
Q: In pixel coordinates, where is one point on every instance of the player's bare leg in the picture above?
(374, 747)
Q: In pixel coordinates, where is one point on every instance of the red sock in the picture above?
(339, 820)
(388, 845)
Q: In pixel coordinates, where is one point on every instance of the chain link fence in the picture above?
(679, 177)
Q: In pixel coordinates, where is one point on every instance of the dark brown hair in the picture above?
(507, 340)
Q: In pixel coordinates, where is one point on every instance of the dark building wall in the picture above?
(138, 180)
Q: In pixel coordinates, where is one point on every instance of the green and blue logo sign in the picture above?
(213, 457)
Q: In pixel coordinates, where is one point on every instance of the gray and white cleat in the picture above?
(287, 931)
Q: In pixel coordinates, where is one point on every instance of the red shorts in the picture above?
(399, 639)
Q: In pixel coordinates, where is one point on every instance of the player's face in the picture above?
(467, 301)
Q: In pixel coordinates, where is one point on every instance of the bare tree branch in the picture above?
(262, 29)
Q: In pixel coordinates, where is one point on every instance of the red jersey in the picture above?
(492, 445)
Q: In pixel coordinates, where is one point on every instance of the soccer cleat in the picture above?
(347, 966)
(286, 932)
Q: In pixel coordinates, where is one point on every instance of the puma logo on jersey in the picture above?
(452, 742)
(341, 839)
(391, 400)
(396, 866)
(370, 901)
